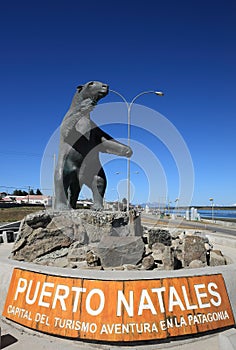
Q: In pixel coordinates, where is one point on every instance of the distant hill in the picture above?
(201, 207)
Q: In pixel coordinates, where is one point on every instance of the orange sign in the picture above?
(118, 310)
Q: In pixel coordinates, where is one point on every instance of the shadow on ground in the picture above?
(7, 340)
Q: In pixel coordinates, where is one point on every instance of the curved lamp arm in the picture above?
(158, 93)
(129, 106)
(121, 96)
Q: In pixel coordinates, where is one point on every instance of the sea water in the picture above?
(207, 213)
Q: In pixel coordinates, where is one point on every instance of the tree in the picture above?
(124, 200)
(124, 203)
(38, 192)
(18, 193)
(31, 192)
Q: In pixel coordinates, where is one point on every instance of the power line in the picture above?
(26, 187)
(25, 154)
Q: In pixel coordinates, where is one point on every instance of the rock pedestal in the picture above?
(76, 237)
(112, 240)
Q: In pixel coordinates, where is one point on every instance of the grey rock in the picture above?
(77, 252)
(118, 268)
(120, 227)
(116, 251)
(57, 258)
(178, 259)
(168, 258)
(148, 262)
(136, 228)
(36, 220)
(163, 255)
(78, 265)
(193, 249)
(80, 234)
(60, 262)
(21, 240)
(40, 243)
(59, 222)
(129, 267)
(19, 244)
(175, 243)
(216, 258)
(159, 236)
(208, 246)
(158, 251)
(26, 230)
(194, 264)
(92, 259)
(94, 233)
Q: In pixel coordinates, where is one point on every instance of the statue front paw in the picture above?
(128, 152)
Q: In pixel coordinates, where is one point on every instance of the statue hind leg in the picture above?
(74, 193)
(61, 185)
(98, 188)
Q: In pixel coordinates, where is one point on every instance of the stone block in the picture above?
(57, 258)
(159, 236)
(196, 264)
(77, 252)
(193, 249)
(92, 258)
(168, 258)
(158, 251)
(117, 251)
(136, 228)
(163, 255)
(148, 262)
(216, 259)
(40, 219)
(40, 243)
(94, 233)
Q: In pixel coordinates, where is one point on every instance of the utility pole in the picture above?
(28, 193)
(54, 192)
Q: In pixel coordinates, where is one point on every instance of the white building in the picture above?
(31, 199)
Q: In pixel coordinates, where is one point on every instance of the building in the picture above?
(29, 199)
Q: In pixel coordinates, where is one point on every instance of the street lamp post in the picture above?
(129, 106)
(176, 206)
(212, 208)
(169, 202)
(118, 198)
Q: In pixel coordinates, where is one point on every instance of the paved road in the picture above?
(152, 219)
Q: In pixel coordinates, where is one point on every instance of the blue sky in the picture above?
(185, 48)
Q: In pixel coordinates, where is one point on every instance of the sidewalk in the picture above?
(16, 337)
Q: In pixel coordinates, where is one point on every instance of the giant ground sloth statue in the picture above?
(81, 140)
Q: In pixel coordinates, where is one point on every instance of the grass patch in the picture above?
(17, 213)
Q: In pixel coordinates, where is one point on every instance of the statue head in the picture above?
(93, 90)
